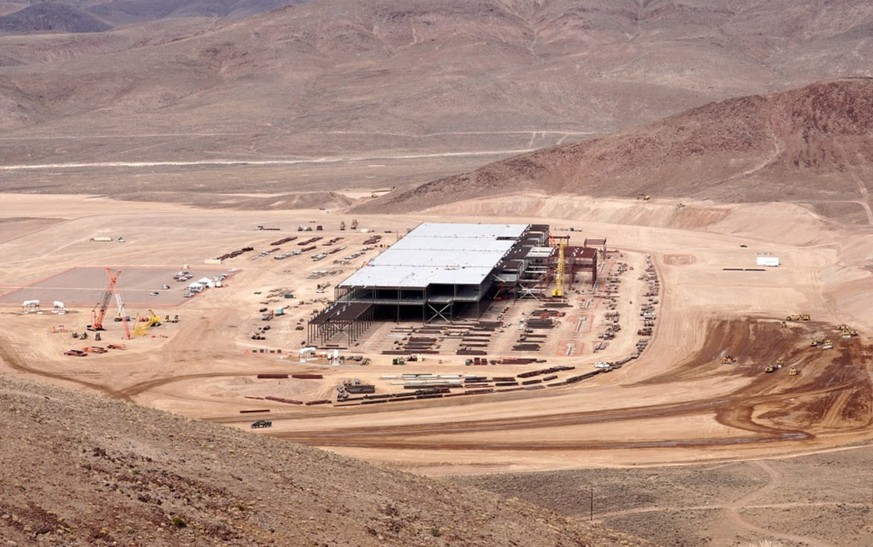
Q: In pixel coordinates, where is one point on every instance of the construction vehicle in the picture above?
(342, 225)
(99, 311)
(798, 317)
(773, 367)
(729, 360)
(792, 371)
(260, 424)
(827, 344)
(146, 322)
(846, 331)
(354, 225)
(644, 197)
(94, 349)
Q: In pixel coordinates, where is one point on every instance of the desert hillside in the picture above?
(125, 12)
(78, 469)
(459, 81)
(50, 17)
(809, 144)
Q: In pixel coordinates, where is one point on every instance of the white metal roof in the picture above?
(471, 244)
(468, 230)
(449, 260)
(540, 252)
(437, 253)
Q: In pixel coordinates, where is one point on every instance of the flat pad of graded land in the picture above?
(698, 393)
(85, 286)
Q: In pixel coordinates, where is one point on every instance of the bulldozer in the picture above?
(729, 360)
(798, 317)
(773, 367)
(846, 331)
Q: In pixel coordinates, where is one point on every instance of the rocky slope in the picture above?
(50, 17)
(125, 12)
(76, 469)
(813, 143)
(349, 78)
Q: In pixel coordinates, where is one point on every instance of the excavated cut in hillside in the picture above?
(809, 144)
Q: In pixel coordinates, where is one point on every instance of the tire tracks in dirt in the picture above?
(732, 519)
(16, 363)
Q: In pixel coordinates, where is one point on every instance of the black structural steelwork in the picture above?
(434, 302)
(341, 318)
(523, 270)
(581, 259)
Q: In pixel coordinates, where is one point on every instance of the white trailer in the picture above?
(767, 260)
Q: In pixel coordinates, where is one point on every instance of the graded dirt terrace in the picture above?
(676, 403)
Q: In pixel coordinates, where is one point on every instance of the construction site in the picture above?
(594, 341)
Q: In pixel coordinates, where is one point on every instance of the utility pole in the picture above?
(591, 506)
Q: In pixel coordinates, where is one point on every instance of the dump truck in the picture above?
(261, 424)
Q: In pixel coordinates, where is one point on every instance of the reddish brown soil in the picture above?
(829, 396)
(812, 143)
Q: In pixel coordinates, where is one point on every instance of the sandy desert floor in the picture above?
(678, 402)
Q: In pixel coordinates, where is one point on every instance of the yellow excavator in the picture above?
(146, 322)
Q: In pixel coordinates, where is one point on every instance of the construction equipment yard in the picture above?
(663, 360)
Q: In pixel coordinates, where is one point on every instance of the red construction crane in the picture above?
(99, 311)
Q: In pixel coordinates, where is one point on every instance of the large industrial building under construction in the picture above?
(440, 272)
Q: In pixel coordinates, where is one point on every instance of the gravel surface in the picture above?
(823, 498)
(76, 469)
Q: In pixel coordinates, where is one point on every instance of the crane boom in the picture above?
(122, 312)
(560, 274)
(99, 311)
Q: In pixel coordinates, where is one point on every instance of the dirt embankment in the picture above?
(829, 396)
(80, 469)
